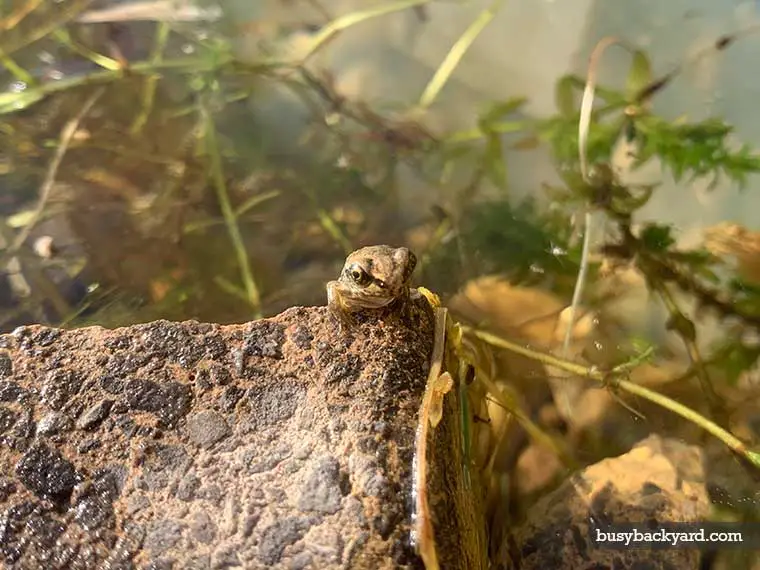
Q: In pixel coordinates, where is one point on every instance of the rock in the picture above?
(204, 446)
(46, 472)
(274, 444)
(658, 480)
(206, 428)
(95, 414)
(59, 388)
(52, 423)
(169, 401)
(6, 365)
(321, 491)
(10, 392)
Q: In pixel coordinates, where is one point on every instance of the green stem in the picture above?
(56, 21)
(456, 53)
(688, 336)
(17, 71)
(733, 442)
(730, 440)
(344, 22)
(63, 36)
(230, 221)
(39, 92)
(151, 82)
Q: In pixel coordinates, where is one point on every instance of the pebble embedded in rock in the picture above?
(94, 506)
(219, 375)
(265, 338)
(230, 397)
(321, 492)
(10, 391)
(175, 342)
(302, 337)
(6, 365)
(53, 422)
(92, 511)
(8, 419)
(164, 463)
(345, 371)
(23, 430)
(94, 414)
(111, 384)
(270, 405)
(187, 487)
(59, 387)
(163, 535)
(206, 428)
(277, 536)
(169, 400)
(46, 473)
(123, 364)
(203, 528)
(87, 445)
(28, 337)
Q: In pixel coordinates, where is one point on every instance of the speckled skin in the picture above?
(373, 277)
(263, 445)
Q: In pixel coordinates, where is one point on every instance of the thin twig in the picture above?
(587, 101)
(17, 71)
(64, 140)
(344, 22)
(151, 81)
(233, 229)
(456, 53)
(564, 398)
(60, 18)
(610, 378)
(12, 19)
(12, 101)
(63, 36)
(695, 358)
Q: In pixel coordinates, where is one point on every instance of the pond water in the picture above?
(218, 161)
(134, 210)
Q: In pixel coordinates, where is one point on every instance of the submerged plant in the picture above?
(351, 192)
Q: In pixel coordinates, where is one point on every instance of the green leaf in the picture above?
(565, 96)
(642, 346)
(21, 219)
(451, 157)
(498, 111)
(493, 159)
(18, 101)
(739, 359)
(657, 237)
(634, 201)
(639, 75)
(255, 200)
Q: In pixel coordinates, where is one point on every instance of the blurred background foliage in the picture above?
(137, 183)
(204, 217)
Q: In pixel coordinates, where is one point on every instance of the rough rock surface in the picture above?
(273, 444)
(659, 480)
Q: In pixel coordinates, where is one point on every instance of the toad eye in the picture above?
(359, 276)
